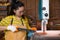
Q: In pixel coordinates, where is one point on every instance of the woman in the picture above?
(15, 21)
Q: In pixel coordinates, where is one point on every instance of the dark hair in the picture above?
(14, 6)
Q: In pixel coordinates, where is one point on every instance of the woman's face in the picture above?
(19, 12)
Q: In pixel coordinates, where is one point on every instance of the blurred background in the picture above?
(31, 9)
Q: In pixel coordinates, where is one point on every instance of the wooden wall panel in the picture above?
(54, 21)
(37, 14)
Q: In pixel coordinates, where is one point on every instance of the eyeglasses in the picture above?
(22, 12)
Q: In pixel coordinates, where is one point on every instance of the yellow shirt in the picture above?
(21, 35)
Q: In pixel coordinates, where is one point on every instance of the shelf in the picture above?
(5, 4)
(4, 1)
(4, 7)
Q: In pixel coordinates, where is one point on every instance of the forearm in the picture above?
(2, 28)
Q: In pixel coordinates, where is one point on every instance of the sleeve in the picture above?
(27, 24)
(5, 21)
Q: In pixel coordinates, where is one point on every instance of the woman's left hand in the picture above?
(11, 28)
